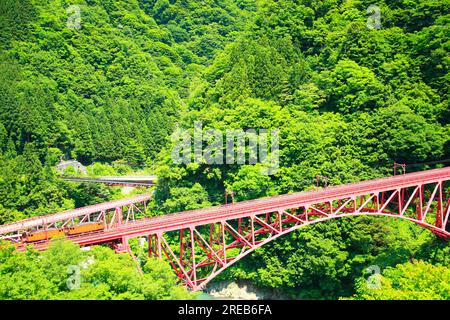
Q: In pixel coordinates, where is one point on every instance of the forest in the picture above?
(352, 88)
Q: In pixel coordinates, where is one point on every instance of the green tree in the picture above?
(416, 280)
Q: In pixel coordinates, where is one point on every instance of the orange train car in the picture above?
(42, 235)
(84, 228)
(49, 234)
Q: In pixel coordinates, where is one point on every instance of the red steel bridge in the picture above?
(200, 244)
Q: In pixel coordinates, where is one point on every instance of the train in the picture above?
(61, 232)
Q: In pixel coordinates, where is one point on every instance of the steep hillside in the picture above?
(350, 86)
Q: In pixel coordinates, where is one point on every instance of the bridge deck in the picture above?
(233, 211)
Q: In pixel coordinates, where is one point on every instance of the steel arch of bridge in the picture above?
(251, 232)
(200, 244)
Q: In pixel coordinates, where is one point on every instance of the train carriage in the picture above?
(85, 228)
(43, 235)
(54, 233)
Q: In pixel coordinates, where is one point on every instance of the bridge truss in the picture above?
(111, 214)
(200, 244)
(204, 251)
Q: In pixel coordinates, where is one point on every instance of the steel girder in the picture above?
(200, 244)
(204, 251)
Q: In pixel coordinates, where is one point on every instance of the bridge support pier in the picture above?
(122, 246)
(154, 245)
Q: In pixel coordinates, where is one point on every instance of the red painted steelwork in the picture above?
(106, 212)
(212, 239)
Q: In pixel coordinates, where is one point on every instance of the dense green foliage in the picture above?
(108, 91)
(409, 281)
(347, 100)
(98, 274)
(90, 88)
